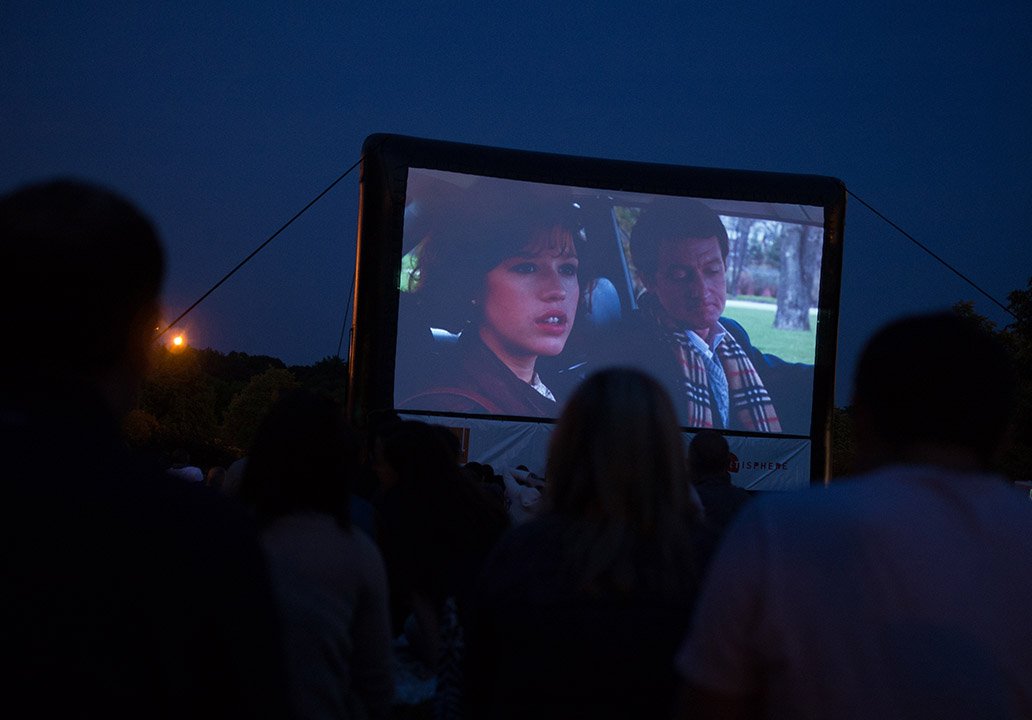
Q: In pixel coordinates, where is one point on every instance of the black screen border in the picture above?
(386, 159)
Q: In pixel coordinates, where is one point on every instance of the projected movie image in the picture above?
(513, 292)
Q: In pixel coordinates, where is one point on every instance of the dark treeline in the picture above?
(1015, 460)
(211, 403)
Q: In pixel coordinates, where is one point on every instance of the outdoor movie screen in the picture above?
(512, 292)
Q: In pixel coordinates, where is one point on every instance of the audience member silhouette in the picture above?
(580, 610)
(903, 592)
(709, 460)
(437, 527)
(329, 575)
(127, 593)
(484, 475)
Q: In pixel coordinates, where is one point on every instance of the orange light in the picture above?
(178, 341)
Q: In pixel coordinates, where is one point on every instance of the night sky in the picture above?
(221, 120)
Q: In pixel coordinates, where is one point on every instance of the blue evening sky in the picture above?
(223, 119)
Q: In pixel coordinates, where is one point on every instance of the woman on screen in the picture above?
(497, 280)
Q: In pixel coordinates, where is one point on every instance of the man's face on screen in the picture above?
(689, 282)
(530, 299)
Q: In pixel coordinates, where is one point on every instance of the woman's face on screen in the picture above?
(530, 299)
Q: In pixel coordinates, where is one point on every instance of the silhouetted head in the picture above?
(80, 277)
(415, 454)
(437, 523)
(617, 453)
(304, 459)
(932, 385)
(708, 455)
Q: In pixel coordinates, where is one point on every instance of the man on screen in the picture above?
(711, 369)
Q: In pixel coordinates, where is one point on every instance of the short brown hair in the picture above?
(469, 236)
(672, 219)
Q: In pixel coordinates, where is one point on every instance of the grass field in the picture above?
(758, 321)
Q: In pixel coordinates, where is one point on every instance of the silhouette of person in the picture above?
(127, 593)
(709, 460)
(580, 610)
(902, 592)
(437, 527)
(329, 574)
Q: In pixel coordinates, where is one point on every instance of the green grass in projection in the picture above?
(758, 321)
